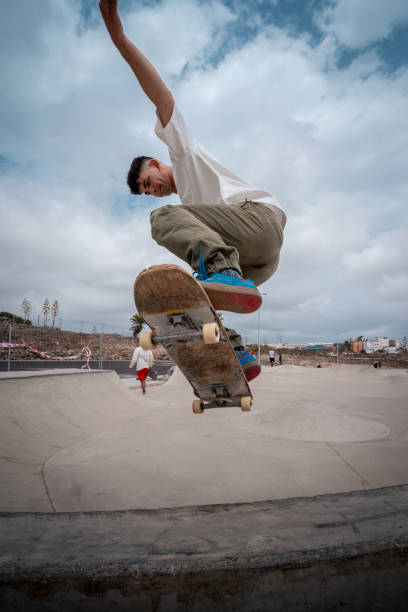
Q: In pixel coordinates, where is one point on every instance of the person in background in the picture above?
(143, 361)
(272, 357)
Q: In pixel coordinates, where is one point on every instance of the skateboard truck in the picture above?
(222, 400)
(181, 319)
(221, 394)
(181, 335)
(183, 330)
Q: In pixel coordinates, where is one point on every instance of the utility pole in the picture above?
(259, 332)
(9, 348)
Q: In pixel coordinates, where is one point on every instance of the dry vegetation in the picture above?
(328, 356)
(60, 343)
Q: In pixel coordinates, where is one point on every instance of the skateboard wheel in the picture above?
(198, 406)
(246, 403)
(145, 340)
(211, 333)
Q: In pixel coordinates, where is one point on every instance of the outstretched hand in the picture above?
(153, 86)
(109, 11)
(108, 7)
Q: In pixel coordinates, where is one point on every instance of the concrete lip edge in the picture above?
(271, 534)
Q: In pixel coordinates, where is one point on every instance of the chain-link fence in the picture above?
(327, 357)
(25, 347)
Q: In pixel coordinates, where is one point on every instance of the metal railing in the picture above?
(36, 347)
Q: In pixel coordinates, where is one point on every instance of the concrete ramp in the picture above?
(42, 413)
(114, 500)
(81, 441)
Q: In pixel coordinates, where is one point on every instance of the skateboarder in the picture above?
(229, 232)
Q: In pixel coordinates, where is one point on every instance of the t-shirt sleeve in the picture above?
(134, 357)
(175, 135)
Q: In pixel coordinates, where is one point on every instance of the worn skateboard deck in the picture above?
(178, 311)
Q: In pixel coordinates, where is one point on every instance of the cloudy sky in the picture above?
(307, 100)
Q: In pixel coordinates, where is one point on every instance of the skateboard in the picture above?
(182, 319)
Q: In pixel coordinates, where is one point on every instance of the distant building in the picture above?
(395, 343)
(356, 345)
(383, 342)
(307, 345)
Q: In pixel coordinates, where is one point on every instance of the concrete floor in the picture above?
(84, 441)
(111, 500)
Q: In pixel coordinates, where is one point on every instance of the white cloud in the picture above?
(385, 255)
(395, 289)
(193, 25)
(357, 23)
(316, 304)
(330, 144)
(61, 245)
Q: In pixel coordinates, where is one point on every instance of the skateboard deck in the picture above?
(182, 319)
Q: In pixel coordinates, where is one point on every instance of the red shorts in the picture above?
(142, 374)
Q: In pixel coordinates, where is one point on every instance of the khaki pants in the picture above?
(246, 236)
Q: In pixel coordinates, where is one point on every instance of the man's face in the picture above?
(155, 179)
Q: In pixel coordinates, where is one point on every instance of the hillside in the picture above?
(59, 343)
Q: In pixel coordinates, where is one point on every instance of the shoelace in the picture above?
(201, 274)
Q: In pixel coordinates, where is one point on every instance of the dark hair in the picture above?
(134, 172)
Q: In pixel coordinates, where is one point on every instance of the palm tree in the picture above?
(137, 324)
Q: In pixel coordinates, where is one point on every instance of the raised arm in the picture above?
(148, 77)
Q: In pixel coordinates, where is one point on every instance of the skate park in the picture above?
(114, 500)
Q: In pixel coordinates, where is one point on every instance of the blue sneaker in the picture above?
(248, 363)
(232, 293)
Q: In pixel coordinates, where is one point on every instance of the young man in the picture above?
(229, 232)
(143, 361)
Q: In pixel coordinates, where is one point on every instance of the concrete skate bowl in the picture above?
(111, 500)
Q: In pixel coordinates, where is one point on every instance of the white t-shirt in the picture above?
(141, 358)
(199, 177)
(271, 354)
